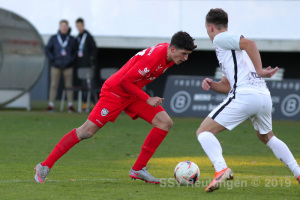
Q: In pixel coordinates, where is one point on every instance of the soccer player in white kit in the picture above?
(248, 98)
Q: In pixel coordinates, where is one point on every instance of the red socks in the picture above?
(62, 147)
(153, 140)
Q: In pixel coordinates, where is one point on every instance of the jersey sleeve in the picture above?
(227, 41)
(138, 71)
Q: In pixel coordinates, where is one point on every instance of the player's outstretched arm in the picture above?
(222, 86)
(154, 101)
(250, 47)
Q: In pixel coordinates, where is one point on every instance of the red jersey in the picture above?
(140, 70)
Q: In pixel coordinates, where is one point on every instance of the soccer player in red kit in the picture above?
(123, 92)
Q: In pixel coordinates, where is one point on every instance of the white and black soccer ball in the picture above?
(186, 173)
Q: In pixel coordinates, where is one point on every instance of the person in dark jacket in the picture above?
(86, 58)
(61, 52)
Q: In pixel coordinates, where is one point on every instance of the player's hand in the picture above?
(154, 101)
(268, 72)
(206, 83)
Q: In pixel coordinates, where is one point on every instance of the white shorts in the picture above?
(254, 106)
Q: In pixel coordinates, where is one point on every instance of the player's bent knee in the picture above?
(169, 124)
(197, 132)
(164, 124)
(265, 137)
(162, 121)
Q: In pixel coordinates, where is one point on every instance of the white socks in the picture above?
(213, 149)
(283, 153)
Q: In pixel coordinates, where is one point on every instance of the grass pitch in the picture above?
(98, 168)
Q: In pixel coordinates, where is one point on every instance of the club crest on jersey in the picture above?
(104, 112)
(143, 73)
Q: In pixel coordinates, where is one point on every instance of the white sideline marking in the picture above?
(17, 181)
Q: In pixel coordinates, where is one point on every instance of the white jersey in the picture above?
(237, 66)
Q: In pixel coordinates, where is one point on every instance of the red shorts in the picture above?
(110, 105)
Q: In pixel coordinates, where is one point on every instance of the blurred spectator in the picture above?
(86, 58)
(61, 51)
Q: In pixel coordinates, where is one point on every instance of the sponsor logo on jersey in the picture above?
(143, 73)
(158, 68)
(104, 112)
(141, 53)
(151, 50)
(151, 78)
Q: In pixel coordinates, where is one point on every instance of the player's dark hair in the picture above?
(218, 17)
(64, 21)
(80, 20)
(182, 40)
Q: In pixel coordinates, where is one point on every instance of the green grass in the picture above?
(98, 168)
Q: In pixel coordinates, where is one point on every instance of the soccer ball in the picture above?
(186, 173)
